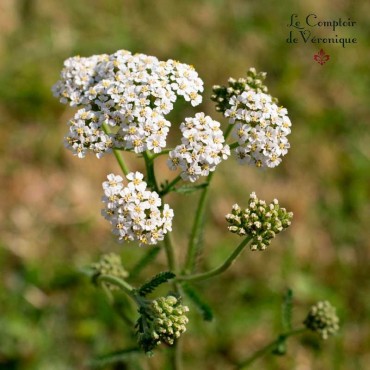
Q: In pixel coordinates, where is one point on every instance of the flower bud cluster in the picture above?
(129, 94)
(260, 221)
(109, 264)
(260, 128)
(322, 318)
(135, 213)
(163, 320)
(222, 94)
(201, 150)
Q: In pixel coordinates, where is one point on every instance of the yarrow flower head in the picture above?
(260, 128)
(260, 125)
(201, 148)
(123, 100)
(135, 213)
(162, 320)
(259, 220)
(322, 318)
(109, 264)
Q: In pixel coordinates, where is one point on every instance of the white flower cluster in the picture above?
(201, 150)
(129, 94)
(261, 128)
(134, 212)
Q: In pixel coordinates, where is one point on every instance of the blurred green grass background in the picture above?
(51, 317)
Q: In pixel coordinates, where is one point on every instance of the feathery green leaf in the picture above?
(157, 280)
(202, 306)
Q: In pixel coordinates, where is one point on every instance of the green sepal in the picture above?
(202, 306)
(157, 280)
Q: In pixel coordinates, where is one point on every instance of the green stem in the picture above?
(228, 130)
(121, 161)
(165, 151)
(170, 253)
(149, 164)
(117, 154)
(176, 350)
(127, 288)
(269, 347)
(170, 186)
(196, 231)
(175, 355)
(234, 145)
(218, 270)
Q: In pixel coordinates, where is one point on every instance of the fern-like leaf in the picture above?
(202, 306)
(153, 283)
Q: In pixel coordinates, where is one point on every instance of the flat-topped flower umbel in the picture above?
(201, 150)
(134, 212)
(260, 125)
(123, 99)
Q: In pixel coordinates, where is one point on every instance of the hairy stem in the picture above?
(218, 270)
(269, 348)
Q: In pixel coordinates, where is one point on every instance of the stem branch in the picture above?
(127, 288)
(149, 164)
(218, 270)
(269, 347)
(196, 231)
(170, 186)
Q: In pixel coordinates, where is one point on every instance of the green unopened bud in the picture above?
(162, 320)
(322, 318)
(222, 94)
(252, 71)
(260, 220)
(236, 210)
(109, 264)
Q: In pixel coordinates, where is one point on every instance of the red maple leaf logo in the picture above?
(321, 57)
